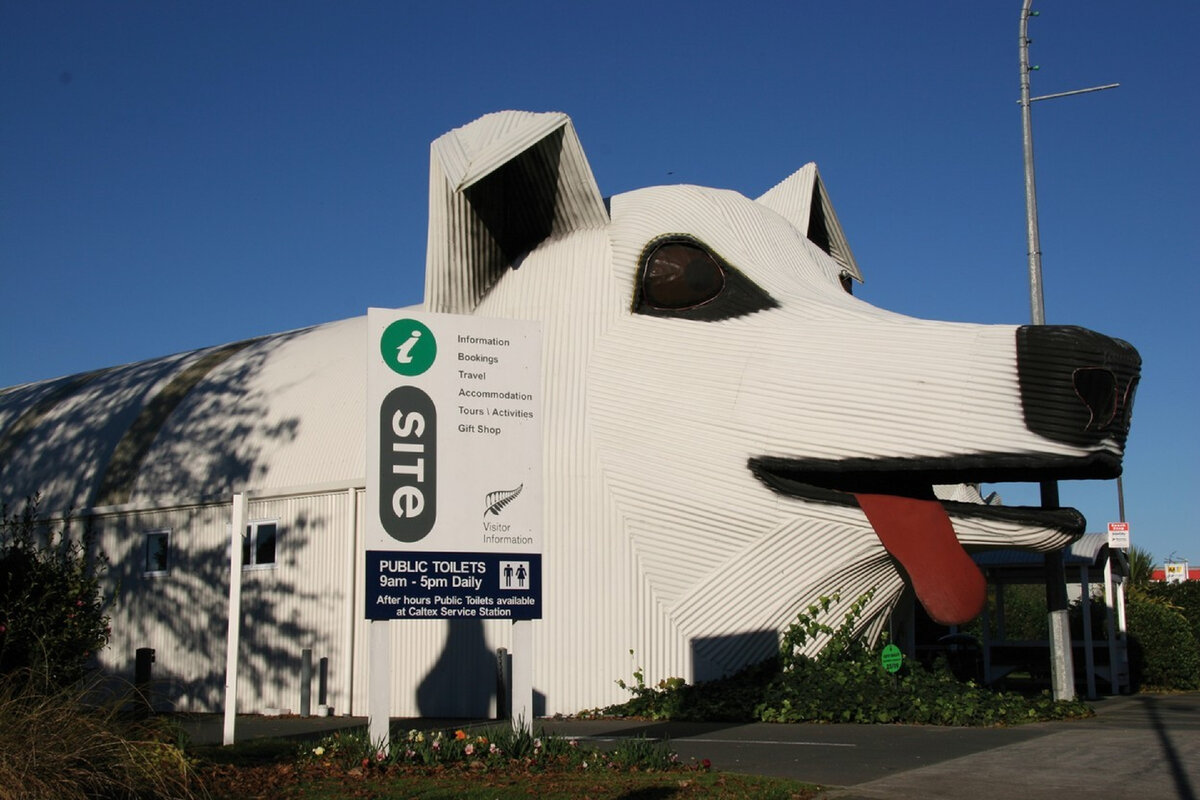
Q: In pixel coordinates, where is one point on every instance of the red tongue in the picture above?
(919, 535)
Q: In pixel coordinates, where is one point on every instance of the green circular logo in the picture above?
(408, 347)
(892, 658)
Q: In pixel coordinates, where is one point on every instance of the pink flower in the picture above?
(469, 749)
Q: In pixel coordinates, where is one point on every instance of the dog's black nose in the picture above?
(1077, 385)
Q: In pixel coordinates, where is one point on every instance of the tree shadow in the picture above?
(1175, 764)
(175, 436)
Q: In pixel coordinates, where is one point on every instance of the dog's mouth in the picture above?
(916, 528)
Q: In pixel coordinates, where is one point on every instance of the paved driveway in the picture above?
(1144, 747)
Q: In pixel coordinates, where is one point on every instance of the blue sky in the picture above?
(177, 175)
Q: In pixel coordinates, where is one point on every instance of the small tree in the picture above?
(1141, 567)
(52, 618)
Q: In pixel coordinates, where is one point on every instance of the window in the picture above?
(258, 545)
(155, 553)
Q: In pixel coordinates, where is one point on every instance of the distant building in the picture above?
(1176, 572)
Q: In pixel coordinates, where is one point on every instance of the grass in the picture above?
(628, 786)
(284, 779)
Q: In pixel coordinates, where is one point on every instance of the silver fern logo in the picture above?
(495, 501)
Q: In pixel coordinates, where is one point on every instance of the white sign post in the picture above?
(1118, 539)
(237, 530)
(453, 525)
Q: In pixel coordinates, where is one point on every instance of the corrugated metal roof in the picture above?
(1089, 549)
(258, 415)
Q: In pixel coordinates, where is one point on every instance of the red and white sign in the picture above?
(1118, 535)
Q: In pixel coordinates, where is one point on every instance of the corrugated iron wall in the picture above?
(298, 603)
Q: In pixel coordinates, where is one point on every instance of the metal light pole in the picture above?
(1061, 661)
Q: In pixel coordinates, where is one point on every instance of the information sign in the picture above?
(1118, 535)
(454, 467)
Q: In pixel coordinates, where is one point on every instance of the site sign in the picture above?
(454, 467)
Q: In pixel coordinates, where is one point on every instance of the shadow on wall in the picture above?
(466, 678)
(178, 430)
(462, 683)
(717, 656)
(183, 615)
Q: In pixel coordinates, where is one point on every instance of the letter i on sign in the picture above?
(404, 351)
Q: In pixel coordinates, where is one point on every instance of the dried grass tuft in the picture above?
(55, 745)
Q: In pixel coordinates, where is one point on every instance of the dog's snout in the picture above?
(1077, 385)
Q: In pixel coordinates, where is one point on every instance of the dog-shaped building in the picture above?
(729, 433)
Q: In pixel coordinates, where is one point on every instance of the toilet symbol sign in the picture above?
(514, 576)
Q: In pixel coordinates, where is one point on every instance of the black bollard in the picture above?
(503, 684)
(143, 658)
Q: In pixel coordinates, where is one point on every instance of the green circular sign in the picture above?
(892, 658)
(408, 347)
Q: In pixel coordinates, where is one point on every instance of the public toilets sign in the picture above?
(454, 467)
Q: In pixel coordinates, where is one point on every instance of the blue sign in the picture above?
(425, 585)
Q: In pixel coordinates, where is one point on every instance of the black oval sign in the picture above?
(407, 464)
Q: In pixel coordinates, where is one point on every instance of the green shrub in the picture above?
(845, 682)
(1163, 653)
(52, 618)
(1183, 597)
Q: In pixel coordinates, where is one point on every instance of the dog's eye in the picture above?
(682, 278)
(679, 275)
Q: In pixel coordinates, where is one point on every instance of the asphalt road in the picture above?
(1143, 747)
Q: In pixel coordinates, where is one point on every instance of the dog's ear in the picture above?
(802, 199)
(497, 187)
